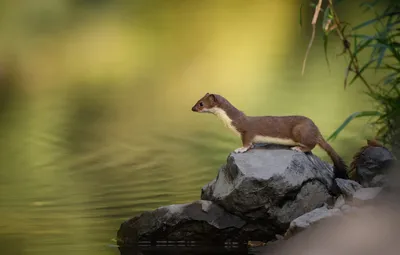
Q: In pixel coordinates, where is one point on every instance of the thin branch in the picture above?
(314, 21)
(354, 60)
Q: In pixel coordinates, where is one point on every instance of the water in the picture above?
(98, 128)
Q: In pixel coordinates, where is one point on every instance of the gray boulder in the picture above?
(271, 186)
(371, 164)
(200, 221)
(347, 187)
(310, 218)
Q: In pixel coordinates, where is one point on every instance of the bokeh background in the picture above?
(95, 99)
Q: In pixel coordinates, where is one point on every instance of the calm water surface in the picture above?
(97, 127)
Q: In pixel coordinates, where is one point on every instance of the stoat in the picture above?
(299, 132)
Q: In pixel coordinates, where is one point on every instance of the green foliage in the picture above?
(383, 59)
(350, 118)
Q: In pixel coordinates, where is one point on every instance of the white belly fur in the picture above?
(221, 114)
(273, 140)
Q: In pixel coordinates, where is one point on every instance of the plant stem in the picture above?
(314, 21)
(354, 59)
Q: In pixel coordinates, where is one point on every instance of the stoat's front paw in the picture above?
(241, 149)
(297, 148)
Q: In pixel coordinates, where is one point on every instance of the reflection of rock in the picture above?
(182, 250)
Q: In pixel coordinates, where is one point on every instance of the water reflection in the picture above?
(184, 251)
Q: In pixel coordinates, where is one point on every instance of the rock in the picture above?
(271, 186)
(340, 201)
(348, 209)
(371, 162)
(365, 195)
(201, 221)
(310, 218)
(371, 230)
(347, 187)
(378, 181)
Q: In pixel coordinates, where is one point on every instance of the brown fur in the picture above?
(298, 129)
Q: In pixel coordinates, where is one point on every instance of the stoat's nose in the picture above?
(194, 109)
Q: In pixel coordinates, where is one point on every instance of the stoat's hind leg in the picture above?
(306, 135)
(301, 149)
(297, 148)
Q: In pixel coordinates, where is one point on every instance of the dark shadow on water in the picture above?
(176, 250)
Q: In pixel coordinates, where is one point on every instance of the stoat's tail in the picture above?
(339, 167)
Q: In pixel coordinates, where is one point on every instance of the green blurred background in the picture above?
(95, 112)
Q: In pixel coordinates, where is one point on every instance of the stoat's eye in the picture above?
(201, 104)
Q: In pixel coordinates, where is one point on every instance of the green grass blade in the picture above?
(363, 45)
(364, 24)
(326, 17)
(325, 37)
(350, 118)
(361, 71)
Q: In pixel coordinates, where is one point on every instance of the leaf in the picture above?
(370, 5)
(362, 45)
(326, 18)
(364, 24)
(380, 58)
(361, 70)
(350, 118)
(325, 37)
(337, 2)
(389, 78)
(392, 67)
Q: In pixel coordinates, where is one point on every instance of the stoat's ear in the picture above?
(213, 98)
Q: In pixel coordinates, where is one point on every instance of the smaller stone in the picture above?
(348, 187)
(365, 195)
(339, 202)
(372, 161)
(301, 223)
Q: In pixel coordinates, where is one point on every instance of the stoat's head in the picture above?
(206, 103)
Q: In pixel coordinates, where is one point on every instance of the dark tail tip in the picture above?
(340, 169)
(340, 174)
